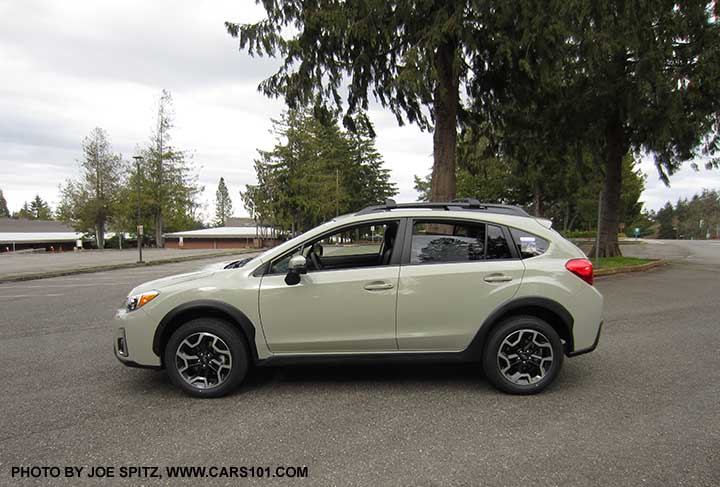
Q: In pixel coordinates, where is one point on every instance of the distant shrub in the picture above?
(584, 234)
(579, 234)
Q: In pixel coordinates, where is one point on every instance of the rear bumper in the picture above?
(589, 349)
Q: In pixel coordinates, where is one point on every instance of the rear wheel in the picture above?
(523, 355)
(206, 357)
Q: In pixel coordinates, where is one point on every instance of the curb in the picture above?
(630, 268)
(125, 265)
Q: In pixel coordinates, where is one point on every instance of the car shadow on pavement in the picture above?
(427, 377)
(421, 376)
(418, 375)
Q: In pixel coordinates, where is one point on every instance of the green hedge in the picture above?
(584, 234)
(579, 234)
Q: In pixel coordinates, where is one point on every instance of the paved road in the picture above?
(687, 251)
(13, 264)
(644, 409)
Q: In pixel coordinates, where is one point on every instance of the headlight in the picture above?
(139, 300)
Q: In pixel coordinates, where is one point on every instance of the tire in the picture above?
(530, 359)
(199, 354)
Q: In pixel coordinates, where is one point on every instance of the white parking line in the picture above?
(16, 286)
(15, 296)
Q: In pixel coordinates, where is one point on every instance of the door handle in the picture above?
(378, 286)
(498, 278)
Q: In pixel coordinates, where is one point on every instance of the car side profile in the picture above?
(440, 282)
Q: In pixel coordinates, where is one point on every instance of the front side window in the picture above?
(363, 240)
(447, 242)
(369, 244)
(281, 266)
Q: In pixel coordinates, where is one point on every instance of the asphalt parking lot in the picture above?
(644, 409)
(13, 264)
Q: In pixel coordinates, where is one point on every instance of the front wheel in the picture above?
(206, 357)
(523, 355)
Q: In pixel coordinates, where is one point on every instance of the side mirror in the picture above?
(296, 266)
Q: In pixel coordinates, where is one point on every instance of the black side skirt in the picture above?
(366, 358)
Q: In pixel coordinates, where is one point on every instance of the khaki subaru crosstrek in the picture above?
(442, 282)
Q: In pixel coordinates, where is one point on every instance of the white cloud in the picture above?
(70, 66)
(683, 184)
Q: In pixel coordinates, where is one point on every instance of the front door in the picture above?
(346, 301)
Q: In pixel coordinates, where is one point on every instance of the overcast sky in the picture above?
(66, 67)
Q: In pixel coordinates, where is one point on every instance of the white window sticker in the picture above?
(528, 245)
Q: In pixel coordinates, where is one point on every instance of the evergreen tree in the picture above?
(665, 218)
(4, 212)
(314, 172)
(223, 204)
(412, 57)
(38, 209)
(569, 196)
(169, 188)
(91, 201)
(24, 212)
(366, 180)
(35, 209)
(645, 77)
(602, 78)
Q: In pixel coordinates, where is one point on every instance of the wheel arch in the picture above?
(203, 308)
(554, 313)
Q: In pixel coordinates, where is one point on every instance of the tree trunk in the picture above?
(537, 201)
(445, 104)
(161, 203)
(610, 212)
(158, 229)
(100, 235)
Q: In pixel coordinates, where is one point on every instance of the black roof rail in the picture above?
(454, 205)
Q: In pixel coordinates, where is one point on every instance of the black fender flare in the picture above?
(475, 349)
(200, 307)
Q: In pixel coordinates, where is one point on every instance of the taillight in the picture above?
(582, 268)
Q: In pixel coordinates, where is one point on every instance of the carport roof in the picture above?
(35, 231)
(220, 232)
(22, 225)
(36, 237)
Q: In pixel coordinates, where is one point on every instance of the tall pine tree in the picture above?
(90, 202)
(411, 57)
(315, 171)
(223, 204)
(4, 212)
(648, 75)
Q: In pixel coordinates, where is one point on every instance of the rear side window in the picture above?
(528, 245)
(444, 241)
(447, 242)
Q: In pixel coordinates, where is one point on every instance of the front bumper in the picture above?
(133, 338)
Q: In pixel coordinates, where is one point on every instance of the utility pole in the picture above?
(139, 227)
(337, 192)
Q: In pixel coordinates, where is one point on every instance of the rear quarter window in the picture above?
(529, 245)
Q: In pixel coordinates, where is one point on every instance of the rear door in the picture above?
(454, 274)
